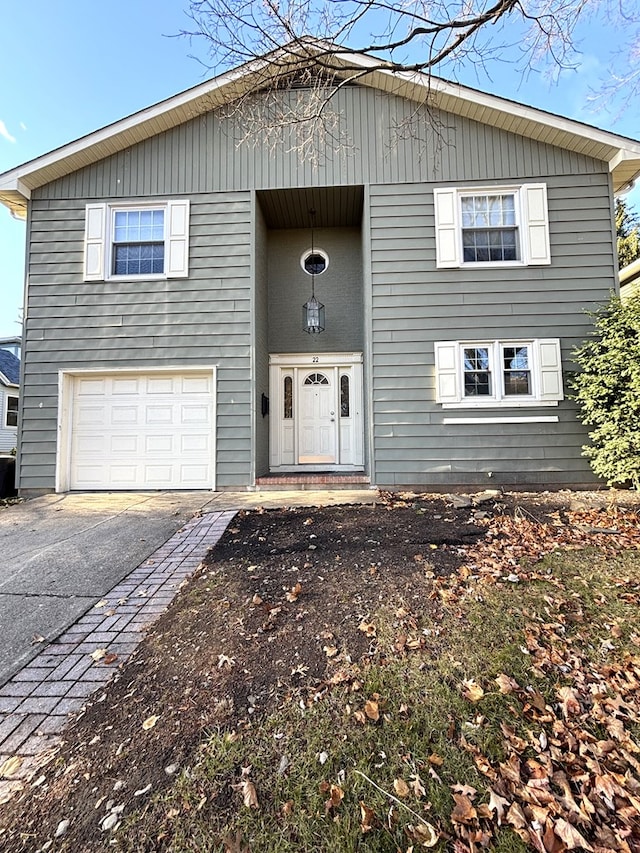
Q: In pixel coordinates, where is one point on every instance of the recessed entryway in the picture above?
(316, 412)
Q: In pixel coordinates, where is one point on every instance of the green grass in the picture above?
(423, 714)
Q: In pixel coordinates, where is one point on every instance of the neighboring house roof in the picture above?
(622, 154)
(629, 277)
(9, 368)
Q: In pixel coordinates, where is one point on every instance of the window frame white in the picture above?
(99, 239)
(545, 367)
(532, 225)
(8, 396)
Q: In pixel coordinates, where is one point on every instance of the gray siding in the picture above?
(414, 304)
(381, 139)
(339, 288)
(202, 320)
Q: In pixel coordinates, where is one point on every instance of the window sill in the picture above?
(499, 404)
(539, 419)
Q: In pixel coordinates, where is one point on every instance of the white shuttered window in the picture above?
(492, 226)
(129, 241)
(504, 374)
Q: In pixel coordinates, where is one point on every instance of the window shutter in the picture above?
(446, 361)
(536, 223)
(178, 239)
(94, 242)
(550, 369)
(446, 213)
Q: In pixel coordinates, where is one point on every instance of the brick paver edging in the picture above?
(35, 704)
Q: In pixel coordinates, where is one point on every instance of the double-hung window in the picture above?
(11, 414)
(498, 373)
(130, 241)
(491, 226)
(138, 242)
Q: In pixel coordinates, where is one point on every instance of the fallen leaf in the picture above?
(497, 804)
(98, 654)
(401, 788)
(367, 818)
(371, 710)
(225, 661)
(472, 691)
(249, 794)
(367, 628)
(506, 683)
(37, 638)
(424, 833)
(287, 808)
(570, 835)
(109, 658)
(10, 767)
(294, 592)
(330, 651)
(336, 795)
(256, 599)
(570, 703)
(101, 603)
(150, 722)
(463, 811)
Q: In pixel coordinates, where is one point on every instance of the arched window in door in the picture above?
(316, 379)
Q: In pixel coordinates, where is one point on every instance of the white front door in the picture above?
(318, 422)
(316, 413)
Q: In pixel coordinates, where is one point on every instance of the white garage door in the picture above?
(142, 431)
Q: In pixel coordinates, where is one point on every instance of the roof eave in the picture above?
(622, 154)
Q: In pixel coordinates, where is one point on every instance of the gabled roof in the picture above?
(622, 154)
(9, 368)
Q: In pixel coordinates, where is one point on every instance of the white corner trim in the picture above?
(536, 419)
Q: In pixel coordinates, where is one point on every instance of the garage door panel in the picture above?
(146, 431)
(158, 444)
(160, 385)
(124, 415)
(90, 386)
(125, 387)
(91, 415)
(196, 385)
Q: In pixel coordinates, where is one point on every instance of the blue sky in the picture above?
(75, 66)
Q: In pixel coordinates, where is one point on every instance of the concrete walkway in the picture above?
(102, 622)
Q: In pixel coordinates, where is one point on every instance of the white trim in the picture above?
(66, 377)
(540, 419)
(307, 359)
(315, 251)
(7, 397)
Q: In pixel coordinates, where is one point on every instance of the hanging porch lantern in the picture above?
(313, 316)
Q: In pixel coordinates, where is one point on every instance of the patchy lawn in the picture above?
(391, 678)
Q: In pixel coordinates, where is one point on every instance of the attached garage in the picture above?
(137, 430)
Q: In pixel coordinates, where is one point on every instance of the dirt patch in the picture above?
(283, 597)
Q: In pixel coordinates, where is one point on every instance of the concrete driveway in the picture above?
(59, 554)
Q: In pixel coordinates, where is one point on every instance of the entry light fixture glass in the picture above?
(313, 316)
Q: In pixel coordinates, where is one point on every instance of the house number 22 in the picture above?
(315, 359)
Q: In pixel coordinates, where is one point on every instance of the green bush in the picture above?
(608, 392)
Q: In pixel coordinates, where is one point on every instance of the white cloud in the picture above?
(4, 132)
(23, 126)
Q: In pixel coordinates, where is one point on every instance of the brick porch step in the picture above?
(317, 480)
